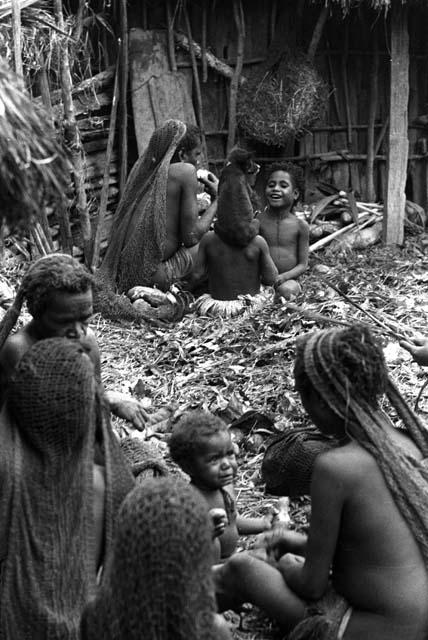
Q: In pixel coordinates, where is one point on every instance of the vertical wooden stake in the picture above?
(198, 95)
(370, 188)
(72, 139)
(106, 176)
(204, 42)
(17, 37)
(318, 31)
(123, 54)
(238, 13)
(170, 34)
(398, 142)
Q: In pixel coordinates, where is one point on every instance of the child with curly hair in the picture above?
(362, 570)
(201, 445)
(158, 583)
(287, 236)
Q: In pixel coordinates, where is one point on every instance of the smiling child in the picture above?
(286, 235)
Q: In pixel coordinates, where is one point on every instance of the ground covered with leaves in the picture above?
(230, 367)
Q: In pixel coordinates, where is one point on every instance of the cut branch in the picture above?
(212, 61)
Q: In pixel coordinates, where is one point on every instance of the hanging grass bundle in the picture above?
(281, 100)
(33, 167)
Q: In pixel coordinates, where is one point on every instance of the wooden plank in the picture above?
(157, 93)
(398, 144)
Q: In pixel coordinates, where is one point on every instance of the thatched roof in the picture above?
(33, 167)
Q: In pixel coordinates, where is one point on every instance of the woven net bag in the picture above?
(289, 459)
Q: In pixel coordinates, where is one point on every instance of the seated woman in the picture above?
(58, 506)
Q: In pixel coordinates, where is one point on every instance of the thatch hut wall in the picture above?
(335, 148)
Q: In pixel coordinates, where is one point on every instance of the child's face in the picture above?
(215, 466)
(193, 156)
(280, 190)
(67, 315)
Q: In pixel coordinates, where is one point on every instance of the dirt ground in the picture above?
(230, 367)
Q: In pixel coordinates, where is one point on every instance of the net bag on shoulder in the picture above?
(289, 459)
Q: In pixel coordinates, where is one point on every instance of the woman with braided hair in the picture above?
(58, 506)
(362, 570)
(158, 584)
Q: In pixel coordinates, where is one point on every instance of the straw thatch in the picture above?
(33, 167)
(281, 99)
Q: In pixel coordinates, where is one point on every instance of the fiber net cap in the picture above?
(51, 395)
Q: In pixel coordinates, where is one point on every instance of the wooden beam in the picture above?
(398, 142)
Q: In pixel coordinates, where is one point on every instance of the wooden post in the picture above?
(123, 99)
(198, 94)
(238, 13)
(318, 31)
(398, 143)
(109, 153)
(17, 38)
(370, 188)
(72, 139)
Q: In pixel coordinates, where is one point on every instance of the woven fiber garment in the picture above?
(138, 233)
(332, 364)
(47, 464)
(143, 458)
(158, 584)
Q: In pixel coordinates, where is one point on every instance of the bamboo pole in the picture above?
(344, 70)
(238, 14)
(340, 232)
(272, 21)
(170, 34)
(204, 42)
(318, 31)
(370, 188)
(106, 176)
(17, 38)
(123, 95)
(72, 139)
(198, 95)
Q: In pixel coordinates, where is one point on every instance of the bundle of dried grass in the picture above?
(33, 166)
(281, 100)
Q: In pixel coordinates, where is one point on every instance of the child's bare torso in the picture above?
(216, 500)
(378, 566)
(232, 271)
(282, 236)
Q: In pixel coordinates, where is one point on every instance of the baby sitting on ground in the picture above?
(201, 445)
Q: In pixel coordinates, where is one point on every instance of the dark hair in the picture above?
(190, 434)
(190, 140)
(295, 172)
(55, 272)
(356, 356)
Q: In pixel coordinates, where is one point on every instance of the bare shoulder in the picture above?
(303, 226)
(14, 348)
(259, 242)
(182, 172)
(344, 464)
